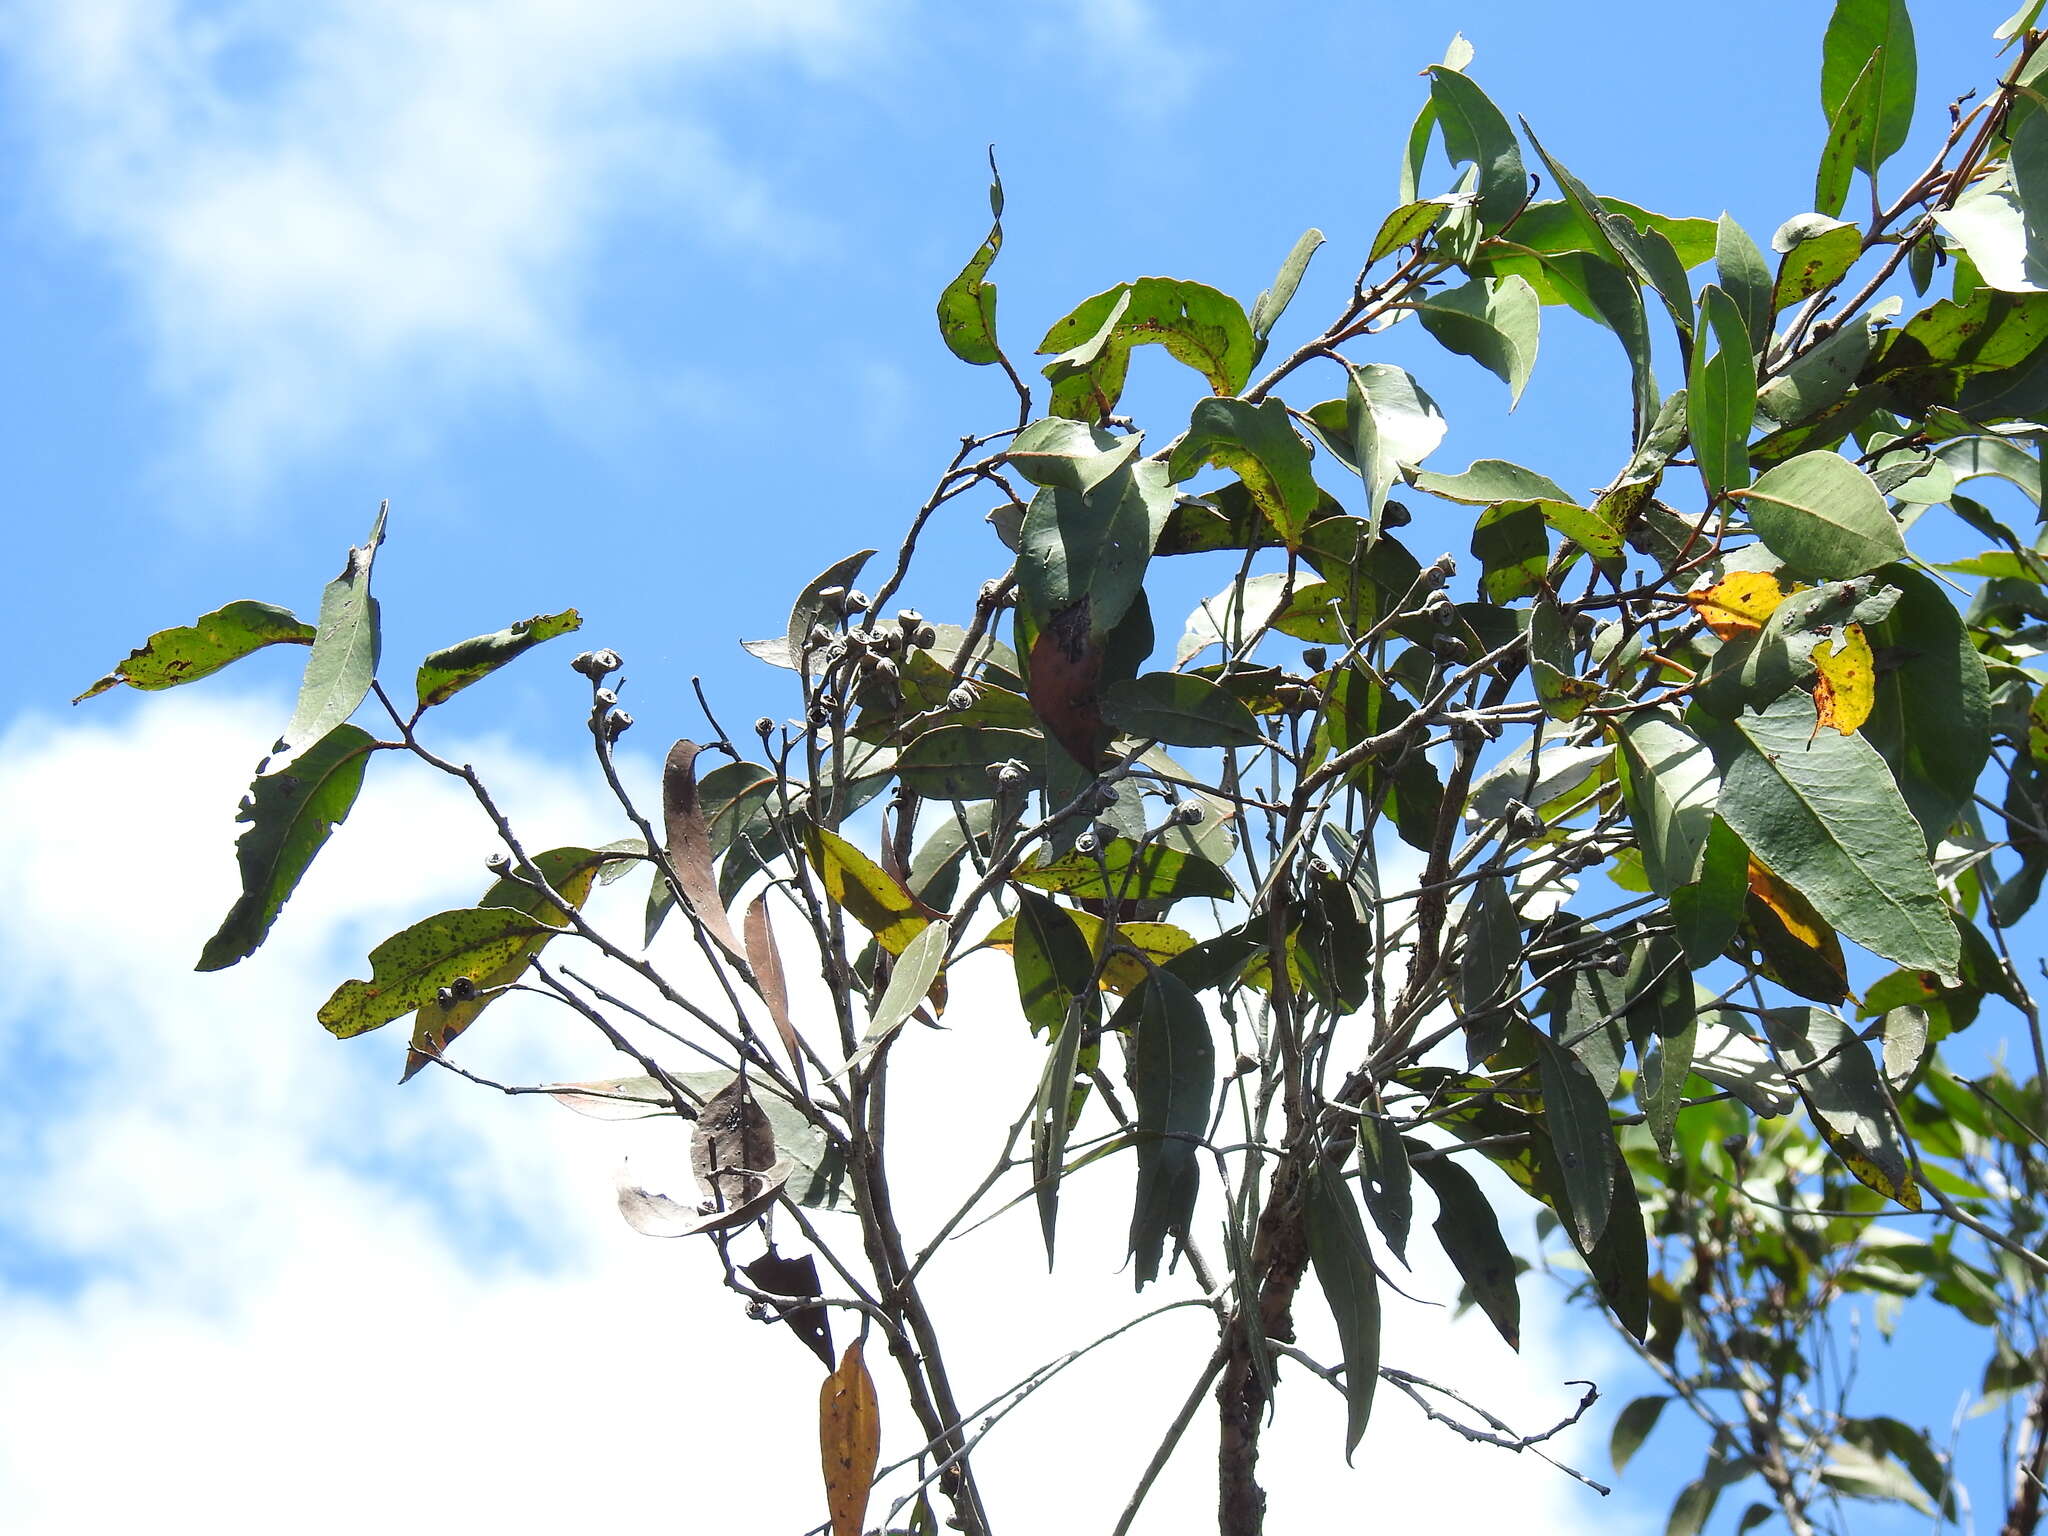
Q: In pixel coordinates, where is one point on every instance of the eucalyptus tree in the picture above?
(1650, 846)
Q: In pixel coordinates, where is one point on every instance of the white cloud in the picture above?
(348, 214)
(283, 1294)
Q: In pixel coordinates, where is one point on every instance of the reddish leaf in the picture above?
(766, 961)
(781, 1276)
(689, 845)
(1066, 683)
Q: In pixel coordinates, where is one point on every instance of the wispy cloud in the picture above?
(347, 214)
(279, 1292)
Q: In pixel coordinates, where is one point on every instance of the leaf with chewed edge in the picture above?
(172, 657)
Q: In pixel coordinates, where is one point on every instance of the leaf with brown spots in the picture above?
(860, 885)
(1846, 689)
(849, 1440)
(1738, 604)
(733, 1145)
(1066, 684)
(409, 969)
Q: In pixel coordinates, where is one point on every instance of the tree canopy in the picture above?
(1661, 846)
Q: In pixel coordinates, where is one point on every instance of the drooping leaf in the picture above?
(1387, 1182)
(732, 1145)
(1493, 321)
(1800, 950)
(689, 847)
(1173, 1083)
(1053, 1109)
(1582, 1132)
(1660, 1086)
(795, 1275)
(1199, 326)
(171, 657)
(967, 306)
(345, 651)
(1394, 424)
(1671, 785)
(1632, 1427)
(1931, 716)
(1840, 1084)
(1470, 1234)
(1258, 443)
(1491, 958)
(409, 968)
(1823, 516)
(1181, 711)
(290, 813)
(657, 1215)
(446, 673)
(1821, 810)
(1344, 1269)
(764, 959)
(849, 1440)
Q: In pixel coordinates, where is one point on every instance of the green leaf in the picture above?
(1493, 321)
(1620, 1261)
(910, 979)
(1852, 137)
(1474, 130)
(1387, 1182)
(1492, 953)
(1052, 1114)
(199, 649)
(446, 673)
(409, 968)
(1932, 718)
(1583, 1134)
(1824, 517)
(1745, 278)
(1721, 394)
(1660, 1087)
(1843, 1092)
(1181, 711)
(1821, 811)
(1343, 1264)
(290, 814)
(1470, 1235)
(1632, 1427)
(1198, 325)
(345, 649)
(1052, 958)
(1258, 443)
(1173, 1081)
(1670, 784)
(808, 609)
(951, 762)
(1815, 252)
(1490, 480)
(1856, 32)
(1124, 871)
(2021, 20)
(1091, 548)
(967, 306)
(1072, 455)
(571, 872)
(1272, 304)
(1511, 541)
(1394, 426)
(1406, 225)
(1820, 376)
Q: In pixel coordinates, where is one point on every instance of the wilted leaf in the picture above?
(849, 1440)
(732, 1145)
(780, 1275)
(764, 959)
(967, 306)
(689, 846)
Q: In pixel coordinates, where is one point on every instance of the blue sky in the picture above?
(625, 305)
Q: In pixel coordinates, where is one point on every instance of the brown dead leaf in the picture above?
(849, 1440)
(689, 846)
(732, 1145)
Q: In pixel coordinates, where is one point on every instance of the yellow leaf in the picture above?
(1158, 942)
(1806, 955)
(878, 902)
(1738, 604)
(849, 1440)
(1906, 1192)
(1846, 690)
